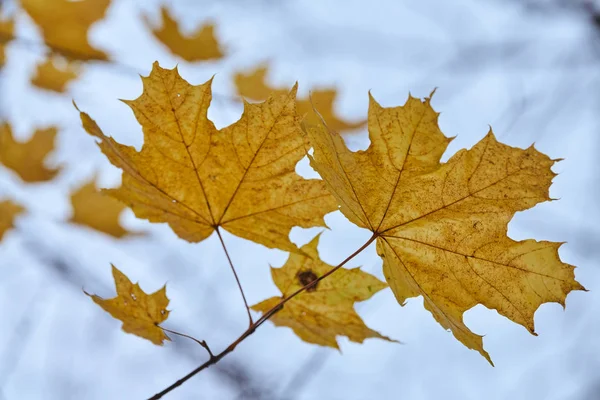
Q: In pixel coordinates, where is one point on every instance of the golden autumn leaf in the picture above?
(199, 46)
(442, 228)
(197, 178)
(97, 210)
(253, 85)
(8, 212)
(54, 74)
(7, 27)
(27, 159)
(65, 25)
(325, 310)
(140, 313)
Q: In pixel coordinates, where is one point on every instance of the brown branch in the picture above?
(237, 279)
(200, 342)
(215, 359)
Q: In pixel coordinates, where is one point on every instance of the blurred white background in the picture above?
(530, 69)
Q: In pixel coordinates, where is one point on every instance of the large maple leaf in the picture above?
(199, 46)
(65, 25)
(141, 313)
(198, 178)
(442, 228)
(27, 159)
(325, 310)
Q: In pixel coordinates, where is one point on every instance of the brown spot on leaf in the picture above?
(306, 277)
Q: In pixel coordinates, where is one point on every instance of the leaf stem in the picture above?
(215, 359)
(200, 342)
(237, 279)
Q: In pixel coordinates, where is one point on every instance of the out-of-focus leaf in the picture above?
(65, 25)
(199, 46)
(8, 212)
(27, 159)
(253, 85)
(54, 74)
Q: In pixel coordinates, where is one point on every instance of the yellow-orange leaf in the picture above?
(53, 74)
(7, 27)
(325, 310)
(97, 210)
(198, 178)
(199, 46)
(27, 159)
(442, 228)
(140, 313)
(65, 25)
(253, 85)
(8, 212)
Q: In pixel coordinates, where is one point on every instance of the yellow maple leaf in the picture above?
(54, 74)
(199, 46)
(97, 210)
(8, 212)
(7, 27)
(442, 228)
(27, 159)
(325, 310)
(65, 25)
(198, 178)
(140, 313)
(253, 85)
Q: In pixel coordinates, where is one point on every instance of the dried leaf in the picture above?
(442, 228)
(199, 46)
(97, 210)
(140, 313)
(253, 85)
(197, 178)
(53, 74)
(27, 159)
(326, 310)
(65, 25)
(8, 212)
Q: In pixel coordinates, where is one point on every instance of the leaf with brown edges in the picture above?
(199, 46)
(326, 310)
(27, 159)
(197, 178)
(141, 313)
(442, 227)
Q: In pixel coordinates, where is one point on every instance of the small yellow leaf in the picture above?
(97, 210)
(140, 313)
(253, 85)
(7, 27)
(65, 25)
(442, 228)
(199, 46)
(8, 212)
(27, 159)
(326, 310)
(54, 74)
(197, 178)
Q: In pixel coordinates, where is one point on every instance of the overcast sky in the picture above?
(530, 73)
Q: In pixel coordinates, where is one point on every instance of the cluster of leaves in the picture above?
(439, 227)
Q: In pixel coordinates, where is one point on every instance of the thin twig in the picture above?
(237, 279)
(200, 342)
(259, 322)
